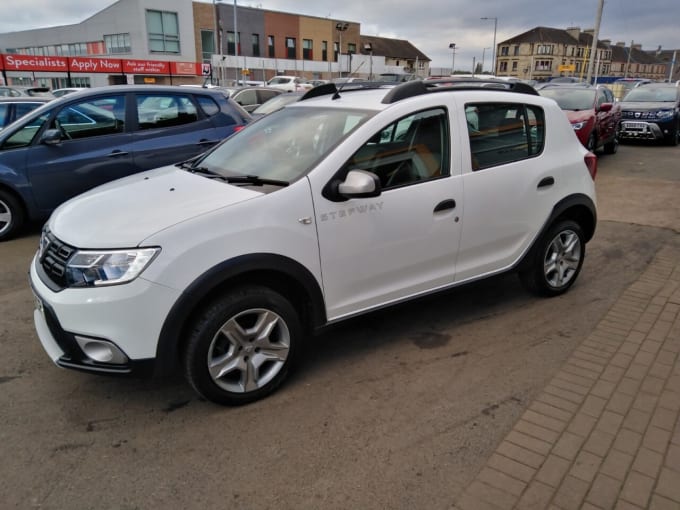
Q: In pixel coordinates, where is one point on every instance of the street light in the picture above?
(369, 48)
(495, 26)
(340, 27)
(216, 39)
(236, 43)
(453, 58)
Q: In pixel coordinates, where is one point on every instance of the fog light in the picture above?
(101, 351)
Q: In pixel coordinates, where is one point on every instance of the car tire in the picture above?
(242, 346)
(11, 215)
(555, 261)
(612, 146)
(674, 137)
(591, 144)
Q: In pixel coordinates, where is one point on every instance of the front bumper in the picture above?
(125, 318)
(640, 130)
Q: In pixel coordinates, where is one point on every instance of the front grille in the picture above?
(54, 257)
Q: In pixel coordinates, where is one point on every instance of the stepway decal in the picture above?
(351, 211)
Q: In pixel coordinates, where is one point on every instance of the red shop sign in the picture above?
(146, 67)
(188, 68)
(35, 63)
(95, 65)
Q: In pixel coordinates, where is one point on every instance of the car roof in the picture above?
(26, 99)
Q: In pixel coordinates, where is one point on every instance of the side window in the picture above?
(4, 113)
(247, 97)
(25, 135)
(411, 150)
(93, 117)
(505, 132)
(164, 110)
(21, 109)
(266, 95)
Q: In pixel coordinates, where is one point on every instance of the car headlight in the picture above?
(107, 267)
(578, 125)
(664, 114)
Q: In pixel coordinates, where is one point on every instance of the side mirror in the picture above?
(359, 184)
(51, 137)
(605, 107)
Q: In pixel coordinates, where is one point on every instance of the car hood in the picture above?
(644, 106)
(124, 212)
(579, 115)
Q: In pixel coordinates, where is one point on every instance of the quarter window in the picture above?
(159, 111)
(411, 150)
(502, 133)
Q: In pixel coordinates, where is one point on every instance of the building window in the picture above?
(352, 48)
(290, 48)
(545, 49)
(255, 39)
(579, 52)
(514, 66)
(503, 66)
(117, 43)
(270, 46)
(336, 50)
(516, 51)
(207, 44)
(307, 53)
(163, 30)
(504, 51)
(324, 51)
(543, 65)
(231, 44)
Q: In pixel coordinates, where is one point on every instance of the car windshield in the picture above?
(569, 98)
(284, 145)
(652, 94)
(279, 81)
(276, 103)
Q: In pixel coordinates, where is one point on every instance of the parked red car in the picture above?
(592, 112)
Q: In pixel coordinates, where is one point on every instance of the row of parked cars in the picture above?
(648, 111)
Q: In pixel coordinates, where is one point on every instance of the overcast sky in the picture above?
(431, 25)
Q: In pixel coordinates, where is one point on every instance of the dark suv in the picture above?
(85, 139)
(651, 112)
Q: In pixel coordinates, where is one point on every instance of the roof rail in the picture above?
(331, 88)
(417, 88)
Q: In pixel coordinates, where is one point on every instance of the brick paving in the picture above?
(604, 433)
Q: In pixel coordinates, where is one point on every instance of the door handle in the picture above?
(116, 153)
(444, 205)
(546, 182)
(206, 142)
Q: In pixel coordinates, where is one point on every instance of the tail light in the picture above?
(239, 128)
(591, 162)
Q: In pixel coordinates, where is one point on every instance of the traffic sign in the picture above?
(205, 70)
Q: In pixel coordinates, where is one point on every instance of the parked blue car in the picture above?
(85, 139)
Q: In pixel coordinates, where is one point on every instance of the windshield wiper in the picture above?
(254, 179)
(201, 170)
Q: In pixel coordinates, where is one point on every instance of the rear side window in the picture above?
(4, 113)
(502, 133)
(208, 105)
(164, 110)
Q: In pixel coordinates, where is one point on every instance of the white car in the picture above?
(289, 83)
(335, 206)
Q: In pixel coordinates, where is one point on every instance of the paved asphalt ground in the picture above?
(404, 408)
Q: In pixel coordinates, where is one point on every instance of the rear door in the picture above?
(170, 128)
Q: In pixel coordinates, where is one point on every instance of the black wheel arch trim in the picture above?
(577, 202)
(170, 338)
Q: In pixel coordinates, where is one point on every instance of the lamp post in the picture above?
(236, 43)
(453, 58)
(369, 48)
(495, 26)
(216, 40)
(340, 27)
